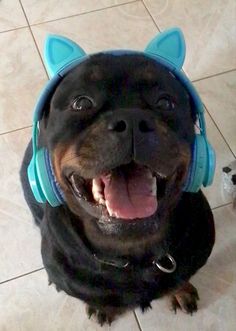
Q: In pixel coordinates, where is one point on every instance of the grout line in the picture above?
(151, 16)
(10, 30)
(224, 205)
(198, 79)
(23, 275)
(136, 318)
(84, 13)
(29, 26)
(214, 75)
(219, 130)
(7, 132)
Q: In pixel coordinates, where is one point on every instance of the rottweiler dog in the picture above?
(119, 130)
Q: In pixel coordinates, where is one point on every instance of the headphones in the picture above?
(61, 55)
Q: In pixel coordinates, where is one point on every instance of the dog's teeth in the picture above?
(149, 175)
(97, 185)
(110, 211)
(101, 201)
(108, 208)
(161, 175)
(98, 191)
(154, 187)
(99, 198)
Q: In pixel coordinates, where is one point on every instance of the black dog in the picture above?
(119, 131)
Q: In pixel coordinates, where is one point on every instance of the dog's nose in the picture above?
(131, 121)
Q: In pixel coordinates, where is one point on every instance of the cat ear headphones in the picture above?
(61, 55)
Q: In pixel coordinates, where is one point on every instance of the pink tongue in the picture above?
(130, 196)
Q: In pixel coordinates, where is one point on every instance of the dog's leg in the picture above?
(145, 306)
(104, 315)
(101, 316)
(185, 298)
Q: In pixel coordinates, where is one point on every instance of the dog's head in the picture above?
(119, 131)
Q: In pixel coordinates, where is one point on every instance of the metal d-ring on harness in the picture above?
(167, 270)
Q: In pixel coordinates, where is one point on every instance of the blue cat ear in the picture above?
(60, 51)
(170, 45)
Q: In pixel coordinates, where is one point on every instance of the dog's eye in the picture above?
(165, 103)
(83, 103)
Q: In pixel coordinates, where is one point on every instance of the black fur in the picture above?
(71, 235)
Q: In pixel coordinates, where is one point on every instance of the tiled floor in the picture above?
(26, 302)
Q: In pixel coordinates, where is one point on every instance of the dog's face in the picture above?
(119, 131)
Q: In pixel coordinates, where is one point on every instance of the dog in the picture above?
(119, 130)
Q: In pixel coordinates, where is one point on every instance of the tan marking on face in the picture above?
(63, 154)
(181, 149)
(185, 158)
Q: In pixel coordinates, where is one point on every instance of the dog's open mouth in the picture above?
(127, 192)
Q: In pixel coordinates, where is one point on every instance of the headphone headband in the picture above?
(179, 74)
(62, 55)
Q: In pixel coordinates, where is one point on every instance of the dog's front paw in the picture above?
(103, 315)
(145, 306)
(185, 298)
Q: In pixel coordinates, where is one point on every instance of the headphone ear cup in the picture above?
(211, 164)
(198, 165)
(34, 182)
(46, 178)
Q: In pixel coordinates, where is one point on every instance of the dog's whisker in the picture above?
(70, 158)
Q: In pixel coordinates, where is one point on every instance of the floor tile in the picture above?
(218, 94)
(209, 28)
(216, 284)
(11, 15)
(133, 28)
(22, 76)
(20, 238)
(215, 193)
(30, 304)
(45, 10)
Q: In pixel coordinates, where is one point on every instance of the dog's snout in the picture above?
(134, 121)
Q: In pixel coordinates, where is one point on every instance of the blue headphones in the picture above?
(61, 55)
